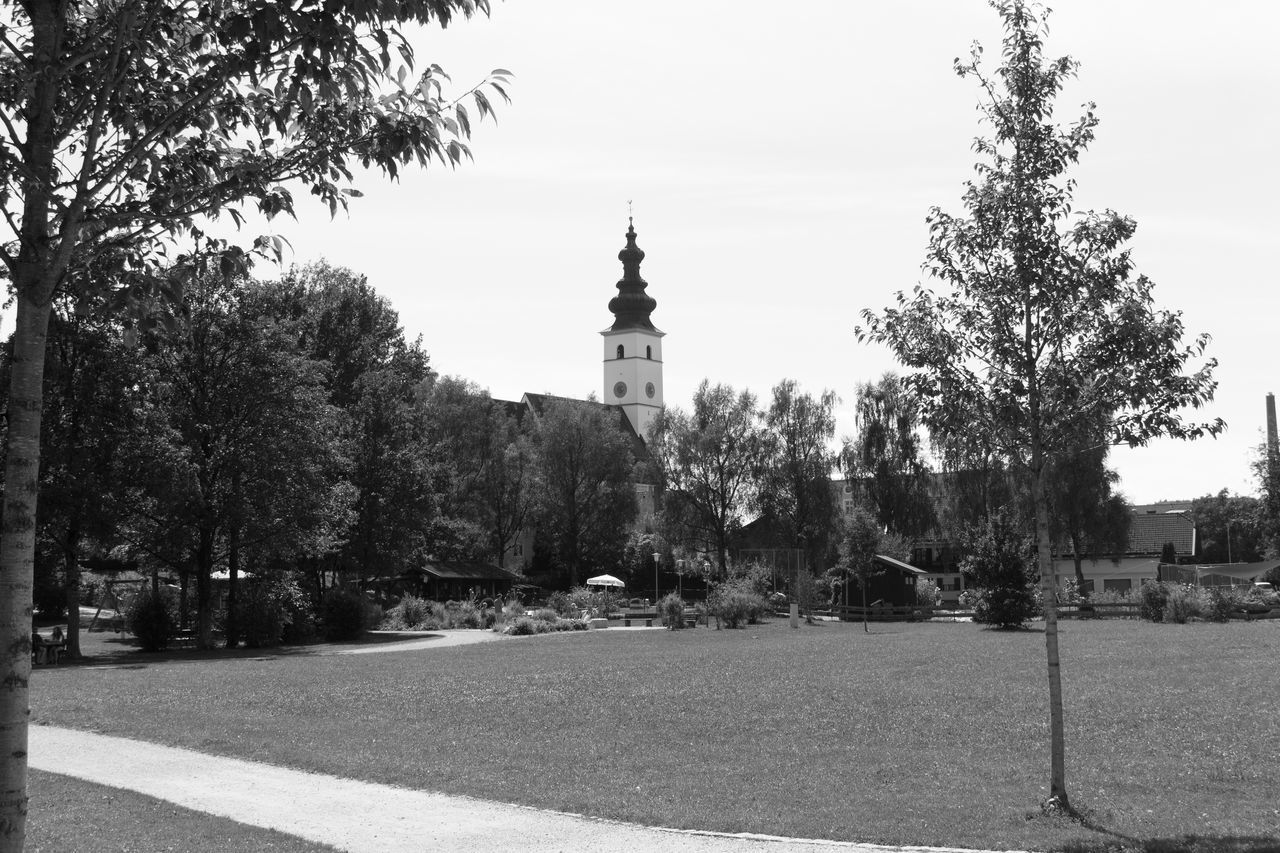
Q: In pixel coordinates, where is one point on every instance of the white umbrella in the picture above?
(604, 580)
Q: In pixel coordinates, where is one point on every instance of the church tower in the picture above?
(632, 346)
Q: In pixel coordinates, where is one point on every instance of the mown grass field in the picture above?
(915, 734)
(70, 815)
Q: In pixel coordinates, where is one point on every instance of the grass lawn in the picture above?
(915, 734)
(69, 815)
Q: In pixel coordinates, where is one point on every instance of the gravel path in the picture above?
(363, 817)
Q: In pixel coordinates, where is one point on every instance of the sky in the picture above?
(780, 159)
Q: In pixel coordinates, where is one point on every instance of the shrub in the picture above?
(583, 598)
(1182, 603)
(300, 622)
(671, 609)
(524, 626)
(926, 592)
(1152, 598)
(560, 603)
(343, 614)
(152, 619)
(1005, 608)
(1069, 592)
(999, 566)
(542, 622)
(735, 603)
(263, 612)
(410, 613)
(1221, 602)
(1112, 596)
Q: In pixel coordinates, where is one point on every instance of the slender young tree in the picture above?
(859, 543)
(123, 127)
(1041, 328)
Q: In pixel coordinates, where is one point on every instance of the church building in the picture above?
(632, 379)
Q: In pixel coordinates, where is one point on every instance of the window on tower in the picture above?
(619, 350)
(648, 352)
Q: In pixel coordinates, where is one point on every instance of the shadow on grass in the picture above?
(1118, 842)
(1185, 844)
(122, 652)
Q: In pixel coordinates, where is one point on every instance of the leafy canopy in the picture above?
(128, 123)
(1041, 325)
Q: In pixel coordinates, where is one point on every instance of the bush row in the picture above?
(270, 612)
(417, 614)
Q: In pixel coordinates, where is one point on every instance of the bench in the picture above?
(690, 619)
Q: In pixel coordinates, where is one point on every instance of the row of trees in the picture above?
(291, 428)
(127, 127)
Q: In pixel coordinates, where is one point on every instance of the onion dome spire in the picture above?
(632, 306)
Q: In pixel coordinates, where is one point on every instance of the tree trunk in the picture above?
(1076, 546)
(862, 583)
(71, 566)
(1057, 801)
(204, 590)
(233, 568)
(34, 274)
(17, 560)
(233, 596)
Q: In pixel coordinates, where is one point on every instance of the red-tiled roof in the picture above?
(1150, 531)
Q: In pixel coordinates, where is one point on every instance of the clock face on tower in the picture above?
(619, 389)
(649, 390)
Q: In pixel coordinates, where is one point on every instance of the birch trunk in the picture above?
(17, 563)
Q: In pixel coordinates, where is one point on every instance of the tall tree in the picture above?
(123, 127)
(796, 484)
(247, 449)
(504, 495)
(90, 397)
(888, 456)
(587, 501)
(1043, 330)
(382, 383)
(710, 463)
(1229, 528)
(485, 462)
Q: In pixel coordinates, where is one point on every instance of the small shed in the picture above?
(894, 584)
(444, 580)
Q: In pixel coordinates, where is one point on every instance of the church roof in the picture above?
(538, 405)
(632, 306)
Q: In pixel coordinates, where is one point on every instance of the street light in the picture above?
(656, 558)
(1229, 520)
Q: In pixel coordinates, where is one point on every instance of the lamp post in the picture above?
(656, 558)
(1229, 520)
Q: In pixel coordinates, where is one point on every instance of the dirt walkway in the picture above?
(362, 817)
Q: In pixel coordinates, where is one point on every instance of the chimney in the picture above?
(1273, 444)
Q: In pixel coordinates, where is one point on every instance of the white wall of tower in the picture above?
(637, 375)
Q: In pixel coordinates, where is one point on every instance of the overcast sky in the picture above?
(781, 159)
